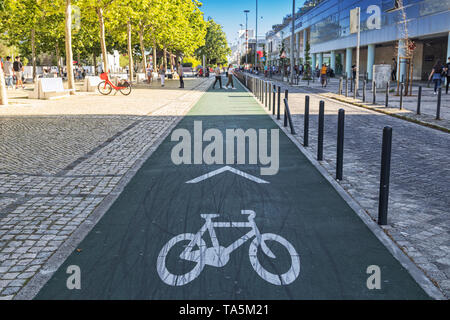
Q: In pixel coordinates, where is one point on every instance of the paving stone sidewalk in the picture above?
(60, 159)
(419, 214)
(428, 106)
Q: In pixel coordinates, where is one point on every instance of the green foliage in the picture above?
(176, 25)
(192, 61)
(216, 47)
(307, 66)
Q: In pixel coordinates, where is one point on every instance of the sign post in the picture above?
(355, 27)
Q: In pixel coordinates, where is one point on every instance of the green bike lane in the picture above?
(118, 259)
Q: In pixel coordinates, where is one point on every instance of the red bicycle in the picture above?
(105, 87)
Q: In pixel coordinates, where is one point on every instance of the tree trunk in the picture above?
(102, 39)
(69, 54)
(94, 59)
(154, 55)
(165, 58)
(3, 95)
(58, 60)
(33, 52)
(141, 43)
(130, 52)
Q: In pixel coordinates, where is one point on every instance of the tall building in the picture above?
(385, 24)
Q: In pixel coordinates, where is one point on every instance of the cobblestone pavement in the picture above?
(428, 101)
(61, 158)
(419, 220)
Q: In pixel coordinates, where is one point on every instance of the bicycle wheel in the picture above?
(125, 89)
(180, 280)
(104, 88)
(276, 279)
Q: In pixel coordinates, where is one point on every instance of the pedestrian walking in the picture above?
(149, 72)
(218, 77)
(8, 71)
(394, 70)
(437, 73)
(180, 74)
(447, 71)
(323, 75)
(162, 74)
(18, 72)
(230, 77)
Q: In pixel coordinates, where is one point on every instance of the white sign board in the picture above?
(52, 84)
(354, 20)
(381, 75)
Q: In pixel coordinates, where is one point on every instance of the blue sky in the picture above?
(230, 13)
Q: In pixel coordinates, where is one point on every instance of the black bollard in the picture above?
(279, 103)
(306, 124)
(386, 102)
(265, 94)
(269, 92)
(320, 136)
(351, 84)
(438, 107)
(286, 92)
(374, 93)
(364, 91)
(340, 145)
(384, 176)
(419, 98)
(274, 93)
(401, 96)
(346, 87)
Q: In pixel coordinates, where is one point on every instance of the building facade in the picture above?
(384, 26)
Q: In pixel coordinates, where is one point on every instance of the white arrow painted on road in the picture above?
(227, 168)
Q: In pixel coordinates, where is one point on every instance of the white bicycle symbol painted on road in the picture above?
(218, 256)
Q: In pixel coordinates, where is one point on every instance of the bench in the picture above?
(91, 83)
(49, 88)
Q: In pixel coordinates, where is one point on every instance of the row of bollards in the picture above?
(263, 91)
(343, 89)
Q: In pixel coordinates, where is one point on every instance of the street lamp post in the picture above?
(292, 41)
(246, 37)
(256, 37)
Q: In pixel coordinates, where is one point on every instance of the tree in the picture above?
(307, 73)
(216, 47)
(69, 55)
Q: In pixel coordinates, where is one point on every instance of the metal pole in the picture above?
(292, 41)
(401, 95)
(386, 103)
(419, 98)
(384, 177)
(274, 93)
(265, 93)
(321, 125)
(340, 145)
(246, 38)
(285, 113)
(374, 92)
(256, 35)
(340, 86)
(438, 109)
(279, 103)
(357, 51)
(306, 125)
(346, 86)
(364, 90)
